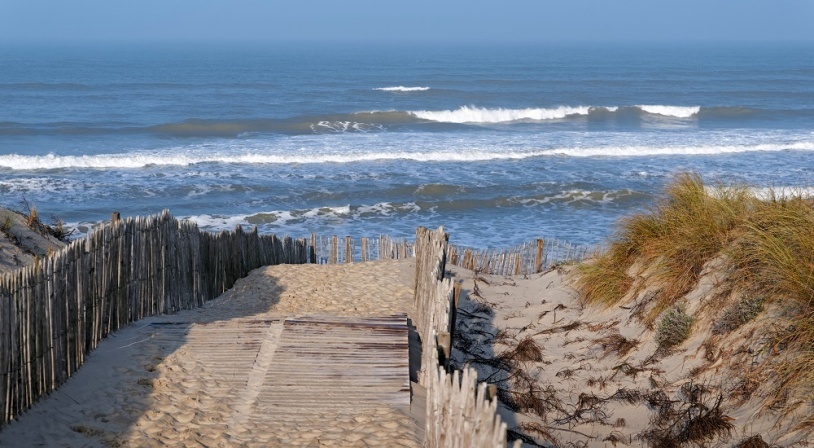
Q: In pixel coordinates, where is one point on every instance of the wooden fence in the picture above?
(459, 415)
(524, 259)
(335, 250)
(53, 313)
(56, 311)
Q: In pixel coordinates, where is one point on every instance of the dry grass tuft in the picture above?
(33, 218)
(691, 420)
(616, 343)
(684, 230)
(525, 350)
(540, 432)
(752, 442)
(616, 437)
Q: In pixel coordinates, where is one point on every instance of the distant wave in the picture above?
(402, 89)
(452, 154)
(375, 121)
(671, 111)
(471, 114)
(579, 195)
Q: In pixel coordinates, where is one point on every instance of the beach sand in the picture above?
(196, 378)
(569, 375)
(586, 376)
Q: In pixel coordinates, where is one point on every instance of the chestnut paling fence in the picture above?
(56, 311)
(53, 313)
(460, 413)
(524, 259)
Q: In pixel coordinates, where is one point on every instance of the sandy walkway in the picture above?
(197, 378)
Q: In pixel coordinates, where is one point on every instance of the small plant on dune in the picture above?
(738, 314)
(33, 217)
(673, 329)
(8, 223)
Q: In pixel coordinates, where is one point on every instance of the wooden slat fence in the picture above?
(458, 415)
(524, 259)
(54, 312)
(334, 249)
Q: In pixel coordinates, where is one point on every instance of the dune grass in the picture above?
(676, 237)
(767, 242)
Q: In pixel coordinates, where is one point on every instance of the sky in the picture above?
(459, 21)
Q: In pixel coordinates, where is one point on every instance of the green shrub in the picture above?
(674, 328)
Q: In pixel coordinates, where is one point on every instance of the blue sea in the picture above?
(500, 144)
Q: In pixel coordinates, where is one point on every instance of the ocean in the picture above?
(501, 144)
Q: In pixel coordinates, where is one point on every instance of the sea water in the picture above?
(500, 144)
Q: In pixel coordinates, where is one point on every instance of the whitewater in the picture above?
(499, 144)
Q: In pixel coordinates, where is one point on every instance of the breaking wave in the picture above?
(671, 111)
(374, 121)
(471, 114)
(447, 154)
(402, 89)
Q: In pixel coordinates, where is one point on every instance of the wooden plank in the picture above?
(324, 362)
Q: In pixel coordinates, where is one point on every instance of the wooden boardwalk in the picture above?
(338, 362)
(291, 356)
(324, 362)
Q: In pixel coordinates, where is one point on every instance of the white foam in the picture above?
(642, 151)
(769, 193)
(281, 218)
(785, 192)
(220, 222)
(577, 195)
(345, 126)
(671, 111)
(471, 114)
(52, 161)
(298, 152)
(402, 89)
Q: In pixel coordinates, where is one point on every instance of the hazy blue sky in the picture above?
(424, 20)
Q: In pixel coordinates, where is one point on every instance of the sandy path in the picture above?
(196, 378)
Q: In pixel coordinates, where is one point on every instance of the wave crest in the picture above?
(471, 114)
(402, 89)
(447, 154)
(671, 111)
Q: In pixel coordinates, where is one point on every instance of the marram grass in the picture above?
(676, 237)
(768, 243)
